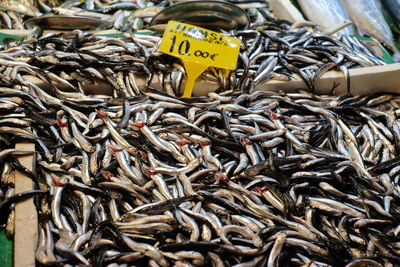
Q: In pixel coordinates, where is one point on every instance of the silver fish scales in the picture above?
(303, 201)
(144, 177)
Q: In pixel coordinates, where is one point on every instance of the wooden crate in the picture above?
(363, 81)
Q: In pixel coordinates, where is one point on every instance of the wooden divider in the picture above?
(26, 223)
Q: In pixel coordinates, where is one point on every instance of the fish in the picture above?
(327, 14)
(141, 176)
(137, 198)
(368, 17)
(24, 7)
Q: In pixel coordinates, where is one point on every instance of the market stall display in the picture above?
(121, 15)
(367, 16)
(159, 179)
(273, 52)
(120, 170)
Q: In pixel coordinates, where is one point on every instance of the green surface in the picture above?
(4, 36)
(6, 245)
(294, 2)
(395, 28)
(386, 56)
(6, 250)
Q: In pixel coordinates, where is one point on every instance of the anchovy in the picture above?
(236, 177)
(369, 19)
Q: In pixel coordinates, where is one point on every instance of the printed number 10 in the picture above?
(183, 48)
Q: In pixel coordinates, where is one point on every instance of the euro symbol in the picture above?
(213, 56)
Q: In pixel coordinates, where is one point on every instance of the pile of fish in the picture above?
(128, 16)
(125, 15)
(121, 15)
(260, 179)
(366, 15)
(77, 60)
(279, 50)
(143, 177)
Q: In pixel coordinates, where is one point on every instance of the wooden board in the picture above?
(362, 81)
(26, 223)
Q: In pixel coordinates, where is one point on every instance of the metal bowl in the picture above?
(213, 15)
(67, 23)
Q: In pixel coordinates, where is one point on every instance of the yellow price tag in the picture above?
(199, 48)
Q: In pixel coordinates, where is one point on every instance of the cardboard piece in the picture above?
(362, 81)
(375, 79)
(26, 222)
